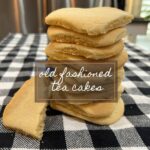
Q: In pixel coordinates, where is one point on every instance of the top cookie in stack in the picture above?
(91, 21)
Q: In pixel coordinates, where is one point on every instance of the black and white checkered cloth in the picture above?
(132, 132)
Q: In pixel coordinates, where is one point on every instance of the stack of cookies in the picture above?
(88, 35)
(93, 34)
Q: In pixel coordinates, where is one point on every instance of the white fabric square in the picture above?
(6, 85)
(73, 124)
(2, 99)
(134, 148)
(123, 123)
(128, 84)
(140, 99)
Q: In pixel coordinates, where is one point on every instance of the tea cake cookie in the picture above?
(91, 21)
(23, 114)
(62, 35)
(87, 52)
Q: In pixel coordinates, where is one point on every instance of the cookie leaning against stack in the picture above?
(89, 35)
(23, 114)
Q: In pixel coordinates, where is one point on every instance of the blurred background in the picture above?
(27, 16)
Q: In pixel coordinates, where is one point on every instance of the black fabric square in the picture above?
(136, 50)
(32, 55)
(27, 69)
(145, 91)
(132, 109)
(24, 78)
(12, 92)
(6, 60)
(6, 140)
(1, 47)
(53, 140)
(12, 55)
(142, 55)
(134, 78)
(33, 46)
(134, 60)
(1, 111)
(52, 112)
(3, 68)
(144, 133)
(27, 60)
(103, 138)
(145, 68)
